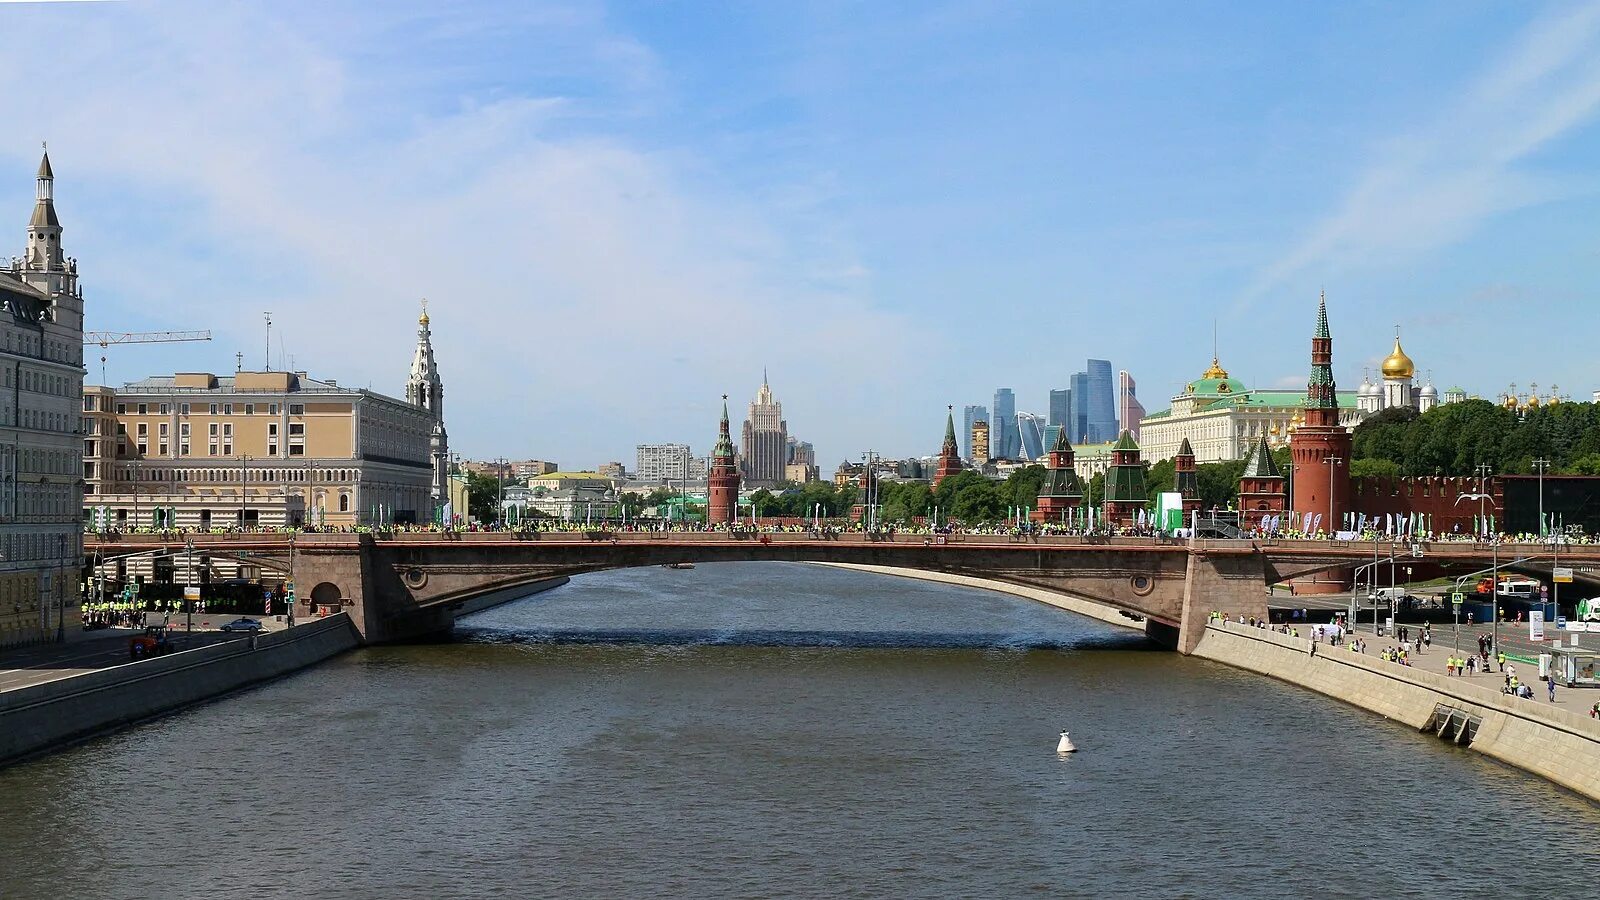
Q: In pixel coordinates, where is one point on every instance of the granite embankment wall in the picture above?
(506, 595)
(1555, 743)
(44, 716)
(1061, 601)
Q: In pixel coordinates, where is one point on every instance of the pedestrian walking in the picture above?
(1550, 681)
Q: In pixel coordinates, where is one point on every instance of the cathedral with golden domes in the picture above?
(1398, 387)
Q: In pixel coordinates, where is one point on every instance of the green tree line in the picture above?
(1455, 438)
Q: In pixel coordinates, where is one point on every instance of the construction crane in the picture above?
(106, 338)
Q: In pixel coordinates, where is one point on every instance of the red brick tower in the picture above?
(1186, 480)
(1321, 446)
(950, 453)
(1260, 488)
(722, 485)
(1062, 492)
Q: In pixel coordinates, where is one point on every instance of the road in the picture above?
(26, 666)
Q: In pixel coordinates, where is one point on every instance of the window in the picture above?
(142, 448)
(272, 448)
(272, 409)
(122, 409)
(163, 446)
(297, 429)
(297, 450)
(227, 429)
(227, 449)
(144, 409)
(213, 409)
(344, 503)
(163, 429)
(184, 409)
(212, 429)
(297, 409)
(272, 429)
(227, 409)
(183, 429)
(213, 450)
(183, 449)
(122, 428)
(143, 429)
(249, 409)
(88, 404)
(166, 410)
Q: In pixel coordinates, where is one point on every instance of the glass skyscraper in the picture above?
(1092, 417)
(1060, 406)
(973, 414)
(1030, 427)
(1007, 442)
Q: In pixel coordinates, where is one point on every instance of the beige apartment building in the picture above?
(197, 450)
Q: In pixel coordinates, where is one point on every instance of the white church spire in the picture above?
(425, 389)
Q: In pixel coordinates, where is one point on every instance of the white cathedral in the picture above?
(1397, 389)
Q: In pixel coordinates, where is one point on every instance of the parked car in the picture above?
(242, 624)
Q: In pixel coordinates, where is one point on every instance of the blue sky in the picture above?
(619, 212)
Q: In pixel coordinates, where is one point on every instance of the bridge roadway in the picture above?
(407, 585)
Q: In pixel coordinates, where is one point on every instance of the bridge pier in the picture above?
(1233, 581)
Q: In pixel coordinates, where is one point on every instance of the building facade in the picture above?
(197, 450)
(1130, 412)
(1005, 442)
(971, 415)
(41, 452)
(1222, 419)
(1060, 407)
(979, 441)
(659, 463)
(764, 444)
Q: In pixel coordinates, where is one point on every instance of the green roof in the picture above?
(1125, 442)
(1260, 463)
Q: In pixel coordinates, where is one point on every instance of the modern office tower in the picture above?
(1030, 428)
(765, 441)
(1007, 444)
(801, 452)
(1101, 402)
(661, 462)
(1129, 409)
(975, 414)
(1060, 406)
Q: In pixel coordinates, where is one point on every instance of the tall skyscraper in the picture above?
(1101, 403)
(1007, 443)
(1060, 406)
(1129, 409)
(975, 414)
(1077, 423)
(764, 444)
(1030, 428)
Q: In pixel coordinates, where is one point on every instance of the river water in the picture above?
(772, 730)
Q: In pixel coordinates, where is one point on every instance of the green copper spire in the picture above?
(1125, 441)
(1062, 445)
(724, 442)
(1322, 316)
(1260, 463)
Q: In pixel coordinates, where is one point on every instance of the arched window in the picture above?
(344, 503)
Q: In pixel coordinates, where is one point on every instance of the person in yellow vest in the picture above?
(1501, 659)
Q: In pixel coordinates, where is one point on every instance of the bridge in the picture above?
(400, 586)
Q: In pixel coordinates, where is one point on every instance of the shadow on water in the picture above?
(842, 639)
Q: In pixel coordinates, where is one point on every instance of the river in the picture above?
(772, 729)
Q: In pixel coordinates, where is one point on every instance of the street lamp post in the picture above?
(1333, 463)
(188, 581)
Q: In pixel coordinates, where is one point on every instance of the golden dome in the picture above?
(1398, 365)
(1216, 370)
(423, 319)
(1533, 400)
(1509, 401)
(1298, 420)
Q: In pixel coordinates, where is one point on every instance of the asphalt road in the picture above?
(25, 666)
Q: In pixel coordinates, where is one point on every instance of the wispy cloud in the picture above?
(563, 261)
(1431, 186)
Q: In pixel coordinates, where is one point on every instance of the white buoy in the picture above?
(1065, 745)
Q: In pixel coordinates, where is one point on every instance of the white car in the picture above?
(242, 624)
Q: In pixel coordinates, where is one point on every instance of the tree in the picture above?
(483, 497)
(1374, 468)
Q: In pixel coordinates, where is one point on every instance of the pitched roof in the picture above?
(1185, 449)
(1125, 441)
(1260, 463)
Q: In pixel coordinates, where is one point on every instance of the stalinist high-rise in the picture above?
(764, 446)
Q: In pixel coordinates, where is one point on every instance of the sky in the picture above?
(619, 212)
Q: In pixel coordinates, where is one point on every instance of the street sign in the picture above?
(1458, 598)
(191, 594)
(1536, 625)
(1561, 575)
